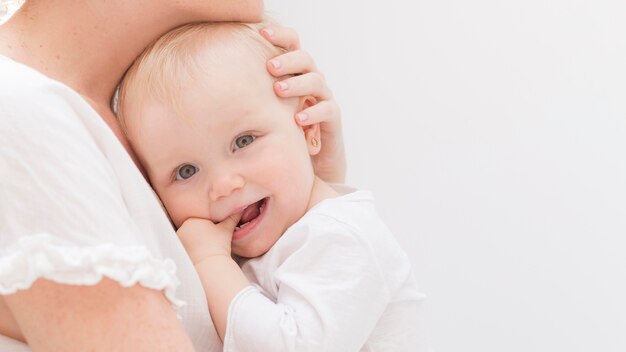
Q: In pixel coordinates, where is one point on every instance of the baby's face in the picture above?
(237, 149)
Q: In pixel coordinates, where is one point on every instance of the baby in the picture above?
(288, 262)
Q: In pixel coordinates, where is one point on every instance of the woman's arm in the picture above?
(8, 325)
(330, 163)
(102, 317)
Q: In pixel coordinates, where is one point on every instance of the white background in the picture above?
(493, 134)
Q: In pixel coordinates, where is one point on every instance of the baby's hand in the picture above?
(203, 239)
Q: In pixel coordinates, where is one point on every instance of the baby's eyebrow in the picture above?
(165, 163)
(163, 160)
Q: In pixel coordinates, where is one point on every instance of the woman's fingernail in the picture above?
(268, 32)
(276, 64)
(283, 85)
(302, 116)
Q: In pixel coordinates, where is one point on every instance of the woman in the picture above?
(85, 249)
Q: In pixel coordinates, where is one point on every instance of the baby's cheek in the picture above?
(177, 218)
(176, 209)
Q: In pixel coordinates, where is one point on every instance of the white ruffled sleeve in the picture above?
(53, 258)
(63, 212)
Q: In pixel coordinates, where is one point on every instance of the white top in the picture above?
(74, 208)
(337, 280)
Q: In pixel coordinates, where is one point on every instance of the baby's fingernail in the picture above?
(275, 63)
(283, 85)
(268, 32)
(302, 116)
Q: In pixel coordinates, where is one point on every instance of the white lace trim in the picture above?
(44, 256)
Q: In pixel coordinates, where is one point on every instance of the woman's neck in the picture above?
(90, 52)
(87, 45)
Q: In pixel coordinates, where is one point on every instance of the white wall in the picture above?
(494, 136)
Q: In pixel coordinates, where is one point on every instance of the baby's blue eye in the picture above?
(244, 141)
(185, 171)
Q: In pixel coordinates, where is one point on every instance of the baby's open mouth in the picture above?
(250, 213)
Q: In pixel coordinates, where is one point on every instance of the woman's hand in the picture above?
(330, 163)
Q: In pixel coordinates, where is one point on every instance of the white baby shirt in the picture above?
(337, 280)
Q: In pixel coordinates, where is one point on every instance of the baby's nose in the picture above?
(225, 185)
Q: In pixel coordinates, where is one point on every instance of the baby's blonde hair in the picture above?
(157, 73)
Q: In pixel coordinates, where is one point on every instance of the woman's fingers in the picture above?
(291, 63)
(305, 80)
(312, 83)
(284, 37)
(324, 111)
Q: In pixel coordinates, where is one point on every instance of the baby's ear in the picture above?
(306, 101)
(312, 132)
(312, 135)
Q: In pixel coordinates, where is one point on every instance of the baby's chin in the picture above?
(248, 253)
(252, 251)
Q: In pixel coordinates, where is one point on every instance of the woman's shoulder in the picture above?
(45, 119)
(29, 96)
(18, 79)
